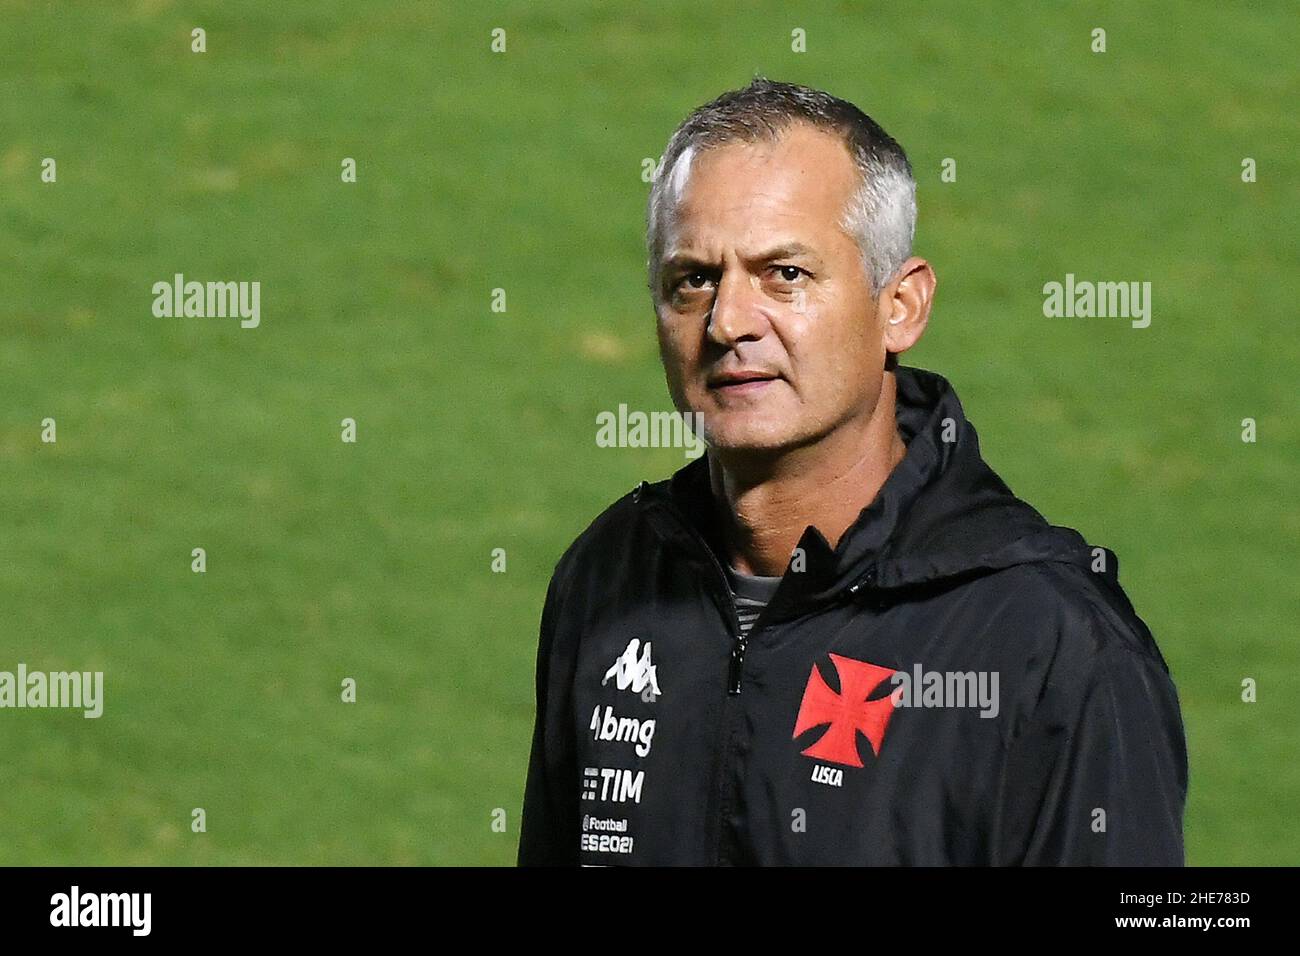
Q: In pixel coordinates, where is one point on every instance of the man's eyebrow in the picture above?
(785, 250)
(683, 260)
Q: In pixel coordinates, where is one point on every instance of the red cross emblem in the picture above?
(847, 712)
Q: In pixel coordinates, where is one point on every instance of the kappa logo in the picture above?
(848, 712)
(635, 673)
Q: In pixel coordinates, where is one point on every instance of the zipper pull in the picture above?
(737, 662)
(862, 582)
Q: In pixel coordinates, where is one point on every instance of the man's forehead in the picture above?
(787, 191)
(800, 156)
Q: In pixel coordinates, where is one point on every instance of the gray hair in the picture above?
(881, 214)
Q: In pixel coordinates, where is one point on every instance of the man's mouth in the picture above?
(732, 383)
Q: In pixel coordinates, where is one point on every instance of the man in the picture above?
(838, 638)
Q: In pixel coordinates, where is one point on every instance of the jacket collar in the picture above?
(942, 513)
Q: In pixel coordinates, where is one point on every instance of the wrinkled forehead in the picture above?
(746, 192)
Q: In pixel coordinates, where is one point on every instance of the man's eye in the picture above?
(692, 281)
(790, 273)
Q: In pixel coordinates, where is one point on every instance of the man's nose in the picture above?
(735, 316)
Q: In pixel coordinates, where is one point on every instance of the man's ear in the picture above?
(904, 304)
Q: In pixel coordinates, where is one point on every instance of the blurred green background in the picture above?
(522, 171)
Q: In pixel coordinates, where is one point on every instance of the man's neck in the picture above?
(767, 505)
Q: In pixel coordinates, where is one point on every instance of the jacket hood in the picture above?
(941, 514)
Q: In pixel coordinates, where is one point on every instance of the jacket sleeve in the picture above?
(549, 829)
(1099, 777)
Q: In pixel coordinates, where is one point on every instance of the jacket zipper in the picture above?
(739, 640)
(735, 668)
(719, 800)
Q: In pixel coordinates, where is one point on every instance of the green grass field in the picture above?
(475, 429)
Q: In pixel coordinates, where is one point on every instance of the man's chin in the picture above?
(752, 441)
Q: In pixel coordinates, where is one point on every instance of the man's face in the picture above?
(767, 326)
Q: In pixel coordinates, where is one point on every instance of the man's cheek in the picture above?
(676, 364)
(797, 323)
(669, 349)
(676, 372)
(684, 349)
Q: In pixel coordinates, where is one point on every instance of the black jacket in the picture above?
(662, 737)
